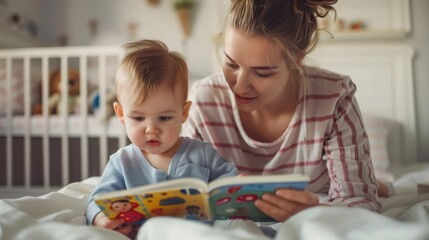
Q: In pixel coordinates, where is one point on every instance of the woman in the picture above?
(268, 113)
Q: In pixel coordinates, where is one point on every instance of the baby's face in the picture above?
(154, 125)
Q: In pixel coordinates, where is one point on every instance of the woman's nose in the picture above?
(242, 84)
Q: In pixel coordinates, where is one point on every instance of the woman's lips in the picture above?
(244, 100)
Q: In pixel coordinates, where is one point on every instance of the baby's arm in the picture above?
(219, 167)
(111, 180)
(116, 224)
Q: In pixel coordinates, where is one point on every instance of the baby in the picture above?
(152, 88)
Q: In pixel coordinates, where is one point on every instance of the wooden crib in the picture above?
(42, 152)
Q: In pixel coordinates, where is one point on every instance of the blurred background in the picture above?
(49, 23)
(110, 22)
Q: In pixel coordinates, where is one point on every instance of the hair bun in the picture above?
(319, 8)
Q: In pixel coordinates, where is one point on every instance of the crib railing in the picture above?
(64, 57)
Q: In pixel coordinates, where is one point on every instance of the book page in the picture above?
(176, 200)
(164, 186)
(236, 200)
(258, 179)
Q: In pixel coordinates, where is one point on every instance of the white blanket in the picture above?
(59, 215)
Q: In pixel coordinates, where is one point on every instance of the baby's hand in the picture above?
(117, 224)
(241, 175)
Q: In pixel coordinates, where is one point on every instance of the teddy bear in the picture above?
(55, 104)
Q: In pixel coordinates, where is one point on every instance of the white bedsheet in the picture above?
(59, 215)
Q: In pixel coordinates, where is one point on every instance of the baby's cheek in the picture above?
(135, 134)
(174, 131)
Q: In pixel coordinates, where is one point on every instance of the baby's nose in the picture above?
(152, 129)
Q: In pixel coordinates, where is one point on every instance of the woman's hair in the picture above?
(147, 65)
(292, 24)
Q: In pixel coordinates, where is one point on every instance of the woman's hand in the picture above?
(286, 203)
(117, 224)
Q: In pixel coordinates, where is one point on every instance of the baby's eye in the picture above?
(138, 119)
(165, 118)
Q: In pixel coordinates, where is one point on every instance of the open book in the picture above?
(192, 198)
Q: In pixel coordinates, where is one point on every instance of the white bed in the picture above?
(60, 214)
(384, 79)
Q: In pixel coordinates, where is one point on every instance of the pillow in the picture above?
(378, 129)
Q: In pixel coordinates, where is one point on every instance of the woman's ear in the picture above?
(186, 108)
(119, 112)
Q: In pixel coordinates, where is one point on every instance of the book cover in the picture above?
(225, 198)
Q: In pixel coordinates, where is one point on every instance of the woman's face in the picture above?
(255, 71)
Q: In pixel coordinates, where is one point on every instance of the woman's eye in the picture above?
(165, 118)
(264, 75)
(232, 65)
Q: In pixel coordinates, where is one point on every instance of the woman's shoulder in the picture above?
(323, 81)
(324, 75)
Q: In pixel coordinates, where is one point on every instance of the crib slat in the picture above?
(102, 90)
(50, 128)
(46, 156)
(27, 142)
(9, 129)
(64, 120)
(84, 116)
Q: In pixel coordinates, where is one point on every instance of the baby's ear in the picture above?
(119, 112)
(186, 108)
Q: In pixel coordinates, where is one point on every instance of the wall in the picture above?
(53, 21)
(24, 30)
(27, 10)
(154, 22)
(419, 39)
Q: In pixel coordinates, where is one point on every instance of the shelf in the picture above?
(363, 35)
(379, 20)
(10, 38)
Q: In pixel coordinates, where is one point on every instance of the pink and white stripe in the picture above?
(334, 152)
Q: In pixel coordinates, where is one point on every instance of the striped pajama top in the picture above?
(326, 138)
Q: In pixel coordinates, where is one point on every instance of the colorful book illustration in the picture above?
(192, 198)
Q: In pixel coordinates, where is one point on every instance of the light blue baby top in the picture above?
(129, 168)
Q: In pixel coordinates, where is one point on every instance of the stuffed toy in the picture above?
(95, 104)
(55, 101)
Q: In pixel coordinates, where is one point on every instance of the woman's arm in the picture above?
(286, 203)
(348, 159)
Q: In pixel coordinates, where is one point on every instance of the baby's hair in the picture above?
(147, 65)
(291, 24)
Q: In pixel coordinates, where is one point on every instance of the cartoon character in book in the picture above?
(127, 212)
(193, 212)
